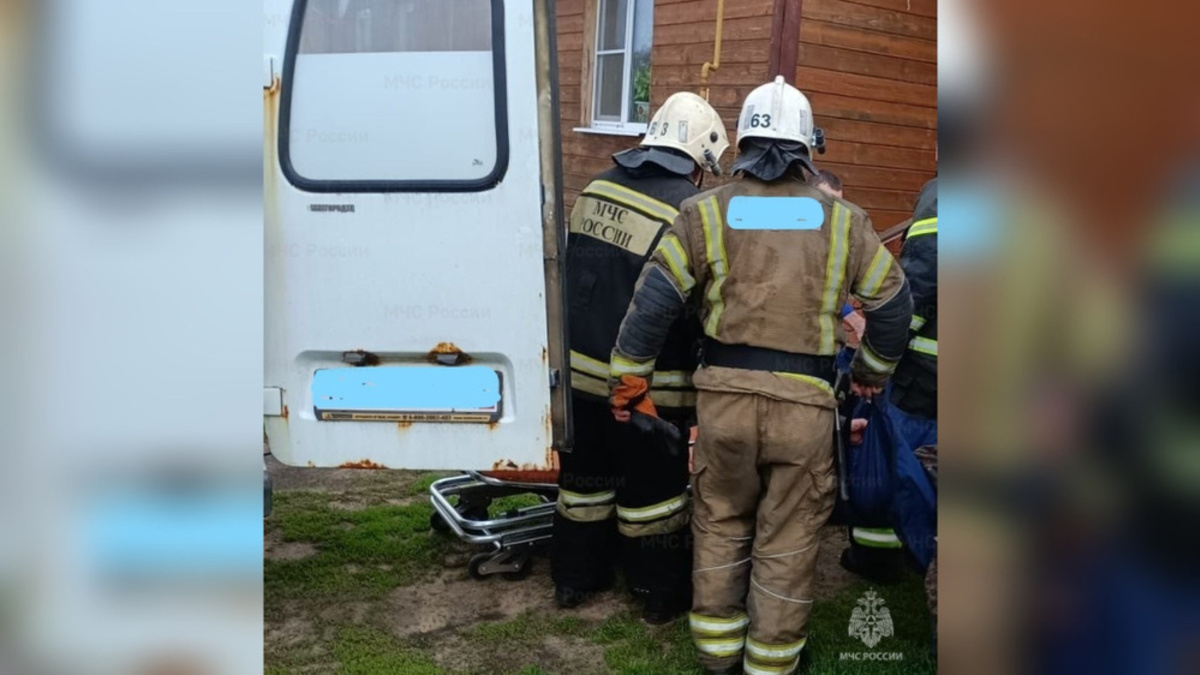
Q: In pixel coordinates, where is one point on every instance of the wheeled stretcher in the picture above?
(512, 536)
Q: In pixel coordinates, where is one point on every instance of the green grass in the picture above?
(421, 485)
(913, 638)
(500, 506)
(633, 648)
(363, 554)
(360, 554)
(364, 650)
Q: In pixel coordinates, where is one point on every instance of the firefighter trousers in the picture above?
(622, 499)
(763, 486)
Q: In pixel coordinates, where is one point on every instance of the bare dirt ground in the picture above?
(439, 620)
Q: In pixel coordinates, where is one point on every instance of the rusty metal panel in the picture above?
(398, 279)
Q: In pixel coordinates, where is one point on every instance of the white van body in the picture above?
(413, 307)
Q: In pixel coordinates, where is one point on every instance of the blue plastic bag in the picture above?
(888, 485)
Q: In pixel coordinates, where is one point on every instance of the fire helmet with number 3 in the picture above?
(777, 111)
(687, 123)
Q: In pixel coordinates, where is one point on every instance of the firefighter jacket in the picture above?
(915, 382)
(772, 265)
(616, 223)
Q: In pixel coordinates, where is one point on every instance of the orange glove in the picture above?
(633, 393)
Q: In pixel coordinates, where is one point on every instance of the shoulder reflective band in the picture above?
(835, 272)
(924, 346)
(714, 249)
(633, 199)
(927, 226)
(876, 273)
(677, 259)
(917, 323)
(623, 366)
(875, 537)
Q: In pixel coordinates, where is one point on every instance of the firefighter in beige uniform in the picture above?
(773, 260)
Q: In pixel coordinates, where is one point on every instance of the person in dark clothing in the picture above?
(623, 493)
(876, 551)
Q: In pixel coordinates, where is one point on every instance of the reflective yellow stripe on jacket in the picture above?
(923, 345)
(622, 366)
(835, 274)
(632, 199)
(876, 274)
(874, 361)
(923, 227)
(718, 262)
(677, 260)
(669, 388)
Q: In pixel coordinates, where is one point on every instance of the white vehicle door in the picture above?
(413, 229)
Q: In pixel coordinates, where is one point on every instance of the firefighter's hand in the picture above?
(858, 427)
(855, 324)
(691, 465)
(865, 391)
(631, 393)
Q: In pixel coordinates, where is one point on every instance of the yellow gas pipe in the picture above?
(710, 66)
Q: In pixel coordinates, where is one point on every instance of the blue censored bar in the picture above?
(407, 388)
(775, 213)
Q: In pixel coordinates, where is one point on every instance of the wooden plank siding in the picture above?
(868, 66)
(870, 69)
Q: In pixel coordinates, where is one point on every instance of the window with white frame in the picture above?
(624, 36)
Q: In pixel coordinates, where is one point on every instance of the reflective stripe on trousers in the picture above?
(661, 518)
(771, 658)
(588, 507)
(875, 537)
(717, 636)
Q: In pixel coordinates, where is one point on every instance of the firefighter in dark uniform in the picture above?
(878, 552)
(914, 386)
(623, 493)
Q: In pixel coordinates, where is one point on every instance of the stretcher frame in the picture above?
(512, 537)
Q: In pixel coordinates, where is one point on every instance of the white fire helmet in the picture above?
(777, 111)
(689, 124)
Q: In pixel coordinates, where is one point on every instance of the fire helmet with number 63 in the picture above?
(687, 123)
(777, 111)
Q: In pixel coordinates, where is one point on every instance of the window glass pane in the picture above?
(612, 24)
(610, 76)
(349, 26)
(643, 41)
(394, 90)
